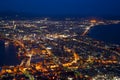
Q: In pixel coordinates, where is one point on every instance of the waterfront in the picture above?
(107, 33)
(8, 54)
(47, 49)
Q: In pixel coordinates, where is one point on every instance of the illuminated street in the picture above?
(57, 49)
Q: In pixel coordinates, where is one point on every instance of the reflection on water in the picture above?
(8, 55)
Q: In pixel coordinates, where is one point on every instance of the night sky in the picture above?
(62, 7)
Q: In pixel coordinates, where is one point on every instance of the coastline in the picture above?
(101, 32)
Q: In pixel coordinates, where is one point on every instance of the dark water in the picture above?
(106, 33)
(8, 55)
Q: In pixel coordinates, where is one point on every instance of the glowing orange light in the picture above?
(93, 21)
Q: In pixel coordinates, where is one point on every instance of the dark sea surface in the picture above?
(107, 33)
(8, 55)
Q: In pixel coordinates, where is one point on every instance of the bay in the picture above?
(107, 33)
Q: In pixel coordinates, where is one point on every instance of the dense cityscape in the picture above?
(49, 49)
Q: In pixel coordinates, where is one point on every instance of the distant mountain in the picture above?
(23, 15)
(12, 15)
